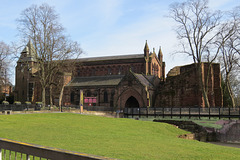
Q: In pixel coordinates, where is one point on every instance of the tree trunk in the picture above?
(229, 90)
(203, 87)
(50, 94)
(43, 97)
(60, 98)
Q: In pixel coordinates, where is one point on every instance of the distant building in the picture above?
(136, 80)
(5, 88)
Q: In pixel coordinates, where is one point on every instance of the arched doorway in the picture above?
(131, 103)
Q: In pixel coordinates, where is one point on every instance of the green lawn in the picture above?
(115, 138)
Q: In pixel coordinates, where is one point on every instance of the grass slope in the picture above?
(115, 138)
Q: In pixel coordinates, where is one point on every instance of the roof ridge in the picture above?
(147, 78)
(134, 74)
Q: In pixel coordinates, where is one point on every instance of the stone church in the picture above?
(136, 80)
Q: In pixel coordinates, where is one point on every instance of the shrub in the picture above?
(27, 103)
(5, 102)
(17, 103)
(39, 103)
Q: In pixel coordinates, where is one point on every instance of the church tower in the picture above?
(25, 69)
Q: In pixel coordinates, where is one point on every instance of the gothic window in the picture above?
(105, 97)
(156, 70)
(95, 93)
(152, 69)
(88, 93)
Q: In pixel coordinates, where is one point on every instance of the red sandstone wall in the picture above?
(183, 89)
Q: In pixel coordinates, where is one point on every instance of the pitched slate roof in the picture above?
(143, 80)
(110, 80)
(28, 53)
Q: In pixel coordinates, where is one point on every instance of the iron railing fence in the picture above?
(15, 107)
(180, 112)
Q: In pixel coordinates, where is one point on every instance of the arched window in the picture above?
(72, 97)
(152, 69)
(105, 97)
(88, 93)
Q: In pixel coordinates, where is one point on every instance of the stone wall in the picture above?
(230, 132)
(182, 87)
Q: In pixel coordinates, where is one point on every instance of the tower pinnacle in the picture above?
(146, 50)
(160, 54)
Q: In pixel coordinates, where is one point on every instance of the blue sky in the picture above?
(110, 27)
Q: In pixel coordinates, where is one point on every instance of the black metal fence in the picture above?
(98, 108)
(218, 112)
(34, 107)
(21, 107)
(91, 108)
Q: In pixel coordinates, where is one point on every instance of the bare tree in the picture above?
(40, 25)
(229, 42)
(4, 55)
(4, 61)
(197, 30)
(63, 73)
